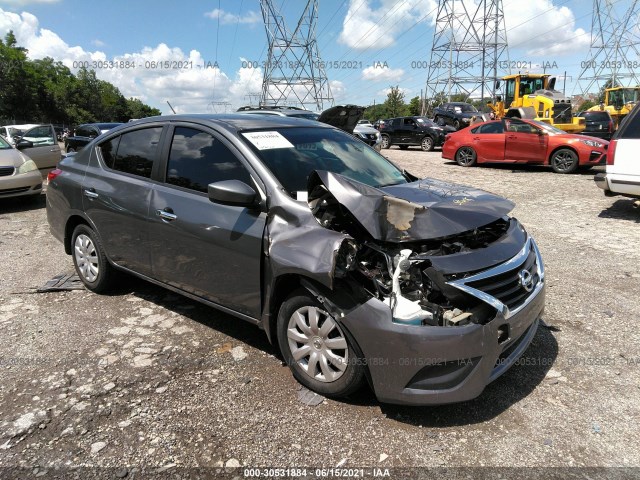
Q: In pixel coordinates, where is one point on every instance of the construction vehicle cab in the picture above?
(533, 96)
(618, 102)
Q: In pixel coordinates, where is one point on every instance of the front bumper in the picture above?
(15, 185)
(426, 365)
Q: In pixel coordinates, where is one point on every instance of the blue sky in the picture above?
(383, 40)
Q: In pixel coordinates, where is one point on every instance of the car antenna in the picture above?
(174, 112)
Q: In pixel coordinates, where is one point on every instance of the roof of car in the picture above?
(235, 121)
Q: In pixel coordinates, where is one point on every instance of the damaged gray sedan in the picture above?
(357, 270)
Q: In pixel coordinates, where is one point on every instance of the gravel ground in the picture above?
(145, 378)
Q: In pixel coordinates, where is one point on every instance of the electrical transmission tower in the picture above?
(614, 55)
(294, 72)
(469, 51)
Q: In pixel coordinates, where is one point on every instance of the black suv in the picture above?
(457, 114)
(407, 131)
(85, 133)
(599, 124)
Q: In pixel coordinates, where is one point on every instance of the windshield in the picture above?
(547, 127)
(302, 150)
(465, 107)
(3, 144)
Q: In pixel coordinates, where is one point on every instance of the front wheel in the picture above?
(564, 161)
(316, 348)
(466, 157)
(427, 144)
(90, 261)
(385, 141)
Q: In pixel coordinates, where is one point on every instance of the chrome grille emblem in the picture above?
(526, 280)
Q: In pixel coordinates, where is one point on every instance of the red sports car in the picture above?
(512, 140)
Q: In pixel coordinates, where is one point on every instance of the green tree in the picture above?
(586, 105)
(395, 102)
(414, 106)
(137, 109)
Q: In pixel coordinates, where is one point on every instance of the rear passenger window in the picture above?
(132, 152)
(495, 127)
(198, 158)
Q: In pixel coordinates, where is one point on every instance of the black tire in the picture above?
(70, 149)
(439, 121)
(456, 124)
(403, 147)
(290, 332)
(427, 144)
(90, 261)
(564, 160)
(386, 141)
(466, 157)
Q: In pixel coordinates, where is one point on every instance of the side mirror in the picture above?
(232, 192)
(542, 132)
(497, 84)
(22, 144)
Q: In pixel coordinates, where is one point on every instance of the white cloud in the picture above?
(227, 18)
(98, 43)
(185, 79)
(365, 27)
(539, 28)
(385, 73)
(543, 29)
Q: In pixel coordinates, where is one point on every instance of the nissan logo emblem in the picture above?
(526, 280)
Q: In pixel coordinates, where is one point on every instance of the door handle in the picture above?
(512, 136)
(166, 215)
(476, 138)
(90, 193)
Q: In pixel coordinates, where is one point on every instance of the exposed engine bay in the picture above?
(411, 276)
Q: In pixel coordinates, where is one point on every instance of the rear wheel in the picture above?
(466, 157)
(427, 144)
(385, 141)
(564, 161)
(316, 348)
(70, 149)
(89, 259)
(456, 123)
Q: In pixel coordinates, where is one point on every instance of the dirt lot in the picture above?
(143, 377)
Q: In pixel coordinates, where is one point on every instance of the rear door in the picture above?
(205, 248)
(45, 151)
(489, 141)
(525, 142)
(116, 194)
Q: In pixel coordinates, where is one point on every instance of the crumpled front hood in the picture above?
(421, 210)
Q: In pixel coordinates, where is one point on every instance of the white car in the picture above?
(11, 132)
(622, 175)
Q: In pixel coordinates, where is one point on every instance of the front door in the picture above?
(45, 151)
(525, 143)
(207, 249)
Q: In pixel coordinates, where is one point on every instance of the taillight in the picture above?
(611, 151)
(53, 174)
